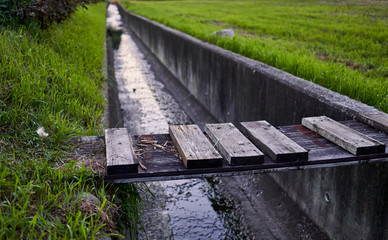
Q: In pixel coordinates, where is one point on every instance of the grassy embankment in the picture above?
(53, 79)
(341, 45)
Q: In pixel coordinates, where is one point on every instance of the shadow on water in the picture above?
(199, 211)
(226, 209)
(115, 35)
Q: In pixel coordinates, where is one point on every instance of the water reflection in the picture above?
(198, 211)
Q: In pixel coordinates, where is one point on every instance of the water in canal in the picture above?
(183, 209)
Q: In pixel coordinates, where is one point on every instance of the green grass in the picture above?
(341, 45)
(53, 79)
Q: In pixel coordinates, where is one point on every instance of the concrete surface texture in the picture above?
(234, 88)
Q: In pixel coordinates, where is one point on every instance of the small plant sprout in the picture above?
(42, 134)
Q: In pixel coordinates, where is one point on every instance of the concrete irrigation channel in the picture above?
(160, 76)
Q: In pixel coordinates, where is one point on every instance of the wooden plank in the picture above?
(120, 157)
(345, 137)
(194, 148)
(233, 145)
(274, 143)
(164, 163)
(378, 120)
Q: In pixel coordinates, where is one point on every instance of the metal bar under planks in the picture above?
(120, 157)
(161, 159)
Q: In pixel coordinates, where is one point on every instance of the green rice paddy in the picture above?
(341, 45)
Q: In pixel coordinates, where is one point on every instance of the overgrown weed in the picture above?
(53, 79)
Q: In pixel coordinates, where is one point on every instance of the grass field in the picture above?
(53, 79)
(342, 45)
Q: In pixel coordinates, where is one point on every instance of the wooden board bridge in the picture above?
(224, 150)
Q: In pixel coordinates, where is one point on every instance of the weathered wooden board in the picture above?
(274, 143)
(164, 163)
(345, 137)
(233, 145)
(119, 152)
(378, 120)
(194, 148)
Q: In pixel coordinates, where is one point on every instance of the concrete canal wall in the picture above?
(345, 202)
